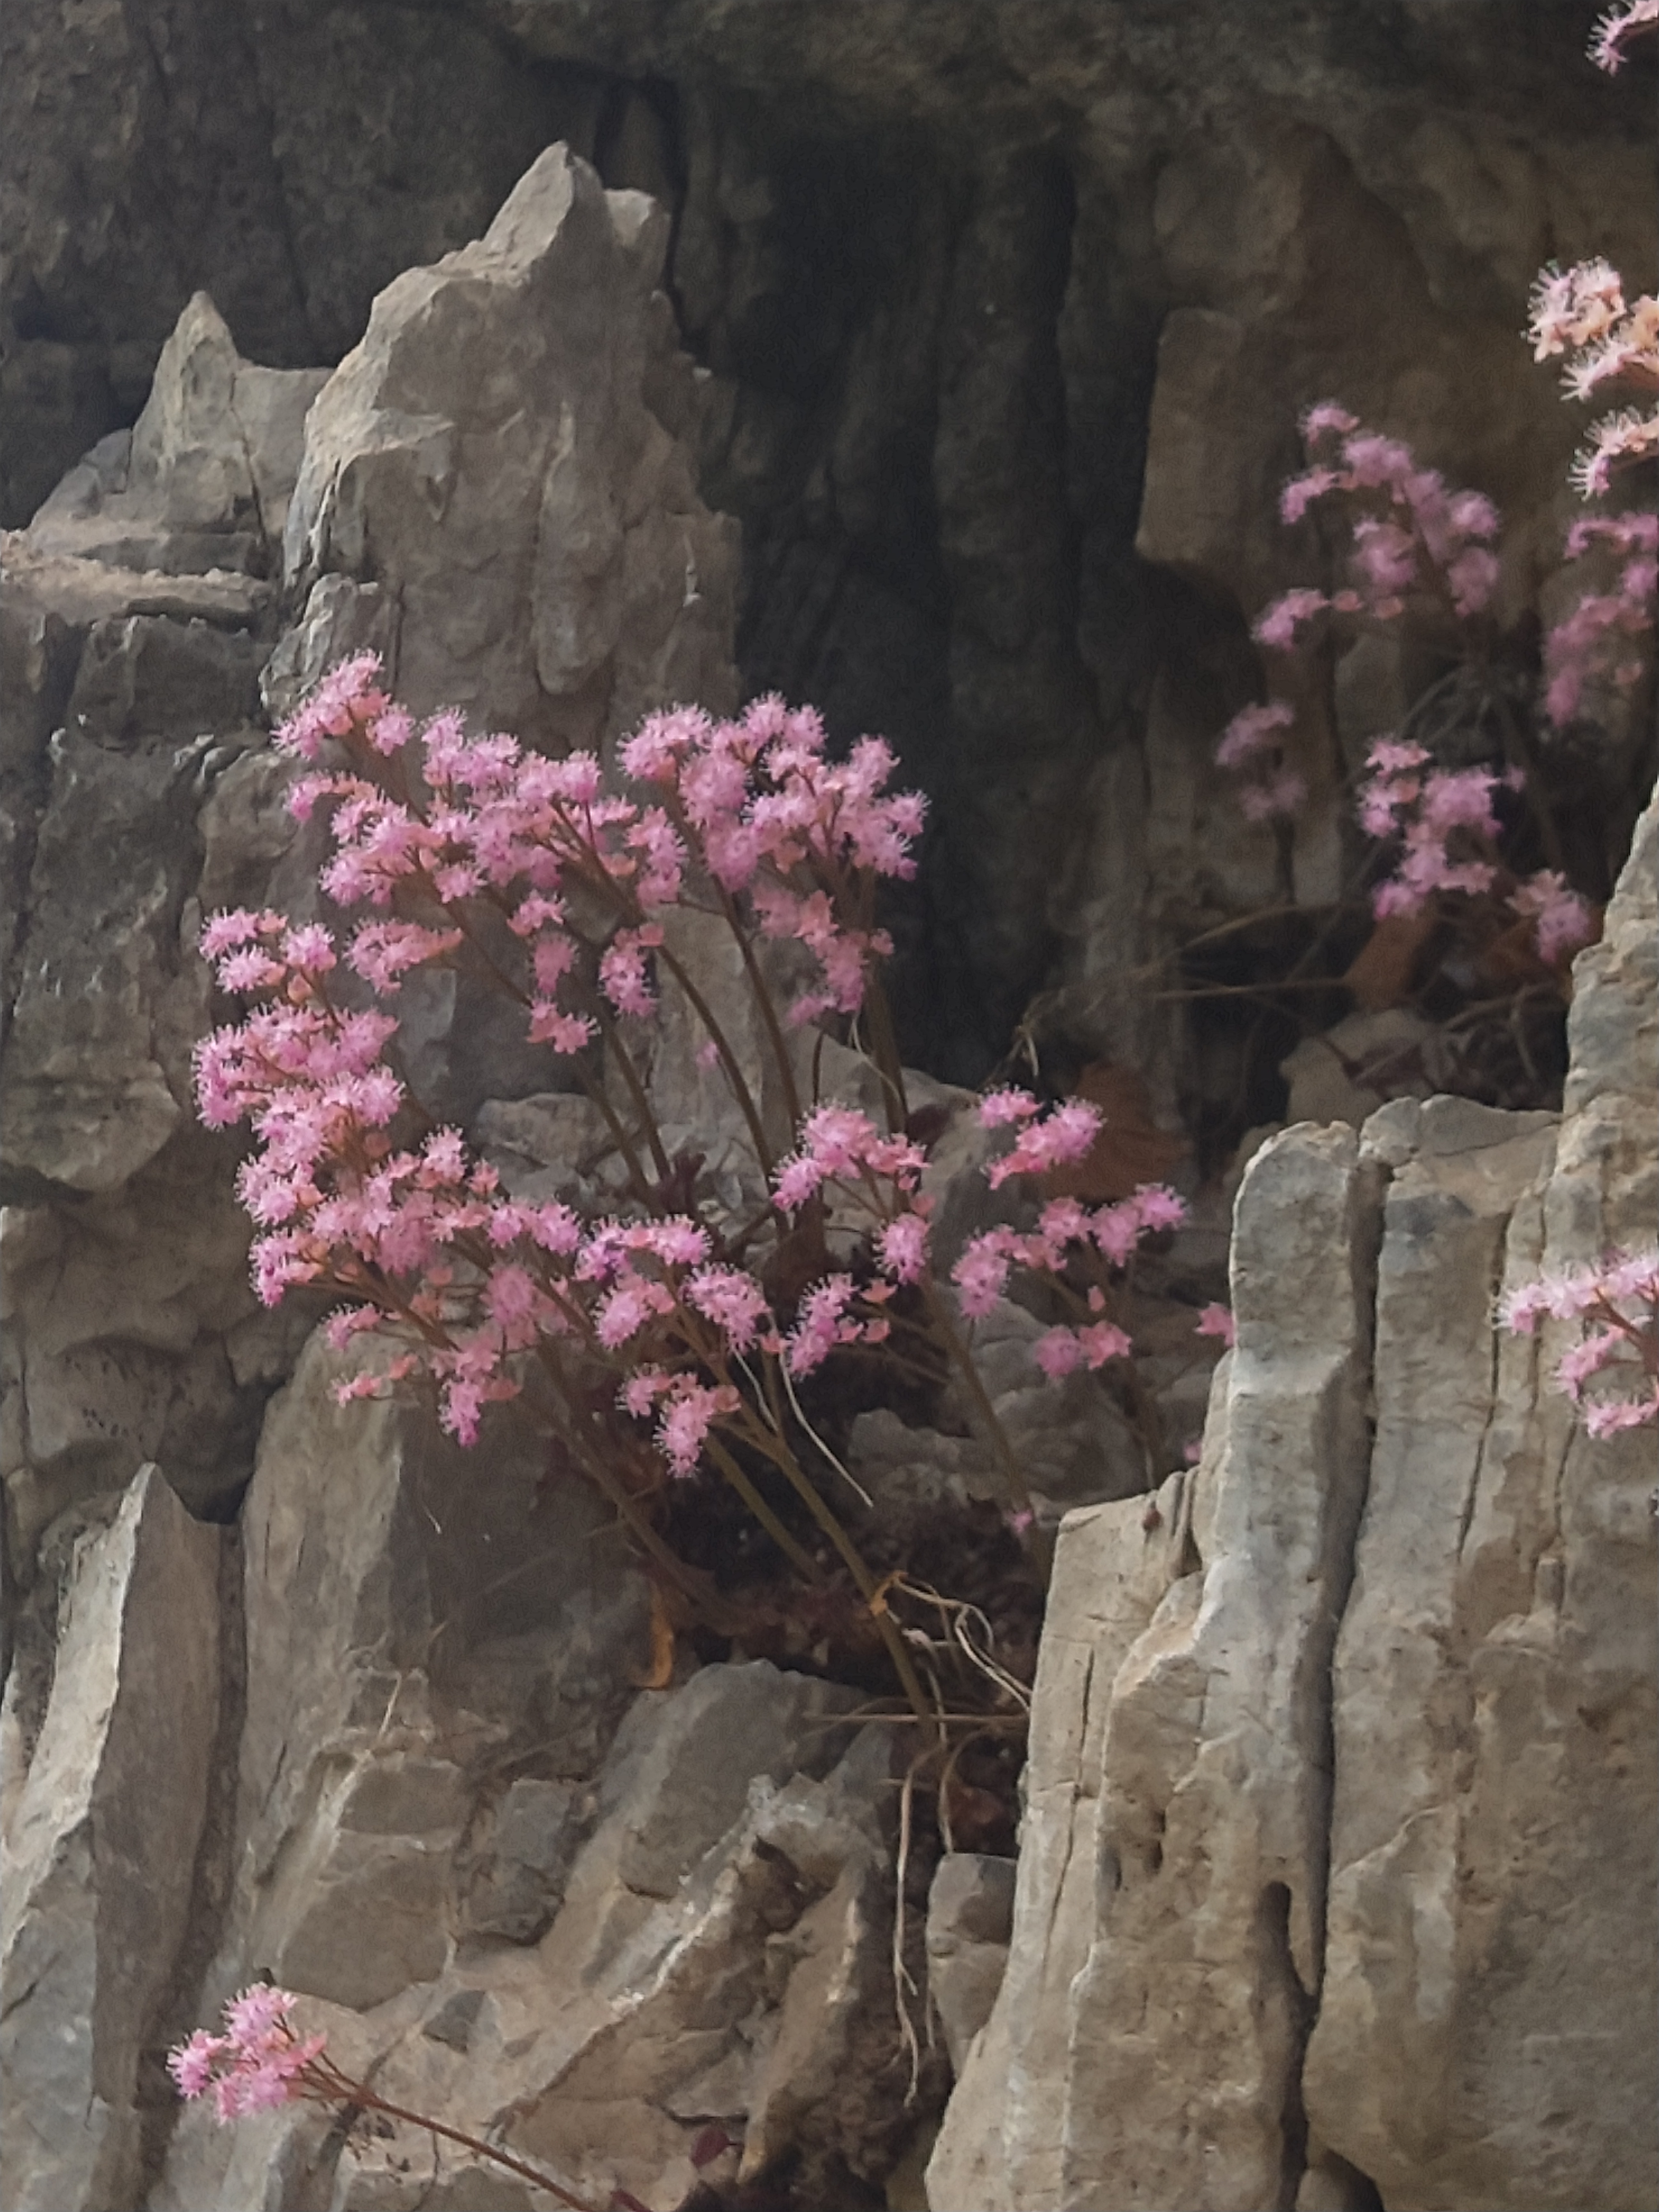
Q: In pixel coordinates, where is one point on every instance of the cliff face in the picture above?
(1009, 309)
(987, 326)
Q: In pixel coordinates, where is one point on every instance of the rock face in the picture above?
(449, 1802)
(1335, 1886)
(1008, 316)
(1000, 320)
(140, 627)
(100, 1848)
(490, 447)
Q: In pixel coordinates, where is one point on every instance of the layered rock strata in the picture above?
(1336, 1881)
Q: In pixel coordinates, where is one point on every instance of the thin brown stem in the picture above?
(769, 1013)
(786, 1464)
(342, 2087)
(795, 1552)
(740, 1089)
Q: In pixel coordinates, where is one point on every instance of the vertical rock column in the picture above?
(99, 1851)
(1487, 2041)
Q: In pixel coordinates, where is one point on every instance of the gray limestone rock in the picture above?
(1353, 1811)
(203, 480)
(488, 453)
(970, 1914)
(98, 1854)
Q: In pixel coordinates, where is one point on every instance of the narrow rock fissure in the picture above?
(1343, 1540)
(176, 2010)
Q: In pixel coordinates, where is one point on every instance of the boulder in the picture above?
(1484, 2038)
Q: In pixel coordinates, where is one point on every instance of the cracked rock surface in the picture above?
(1340, 1834)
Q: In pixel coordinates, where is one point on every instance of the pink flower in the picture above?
(1615, 30)
(1057, 1353)
(346, 696)
(1158, 1207)
(623, 972)
(821, 1324)
(732, 1300)
(1326, 418)
(191, 2064)
(1250, 732)
(1610, 1415)
(1277, 795)
(1006, 1108)
(1278, 624)
(689, 1410)
(1621, 1296)
(903, 1246)
(257, 2064)
(639, 1392)
(1564, 919)
(1101, 1340)
(1062, 1137)
(980, 1275)
(1217, 1321)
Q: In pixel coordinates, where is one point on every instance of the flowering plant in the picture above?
(1617, 1306)
(666, 1313)
(1477, 810)
(261, 2062)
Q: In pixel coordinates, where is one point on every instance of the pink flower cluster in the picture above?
(1449, 828)
(257, 2063)
(1618, 1302)
(751, 804)
(1252, 744)
(770, 817)
(1066, 1230)
(1612, 346)
(351, 1193)
(1615, 30)
(1410, 535)
(1609, 636)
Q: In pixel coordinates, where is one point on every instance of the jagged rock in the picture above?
(488, 450)
(1001, 2140)
(1345, 1073)
(80, 591)
(109, 1002)
(1458, 1911)
(971, 1918)
(401, 1633)
(1491, 1945)
(203, 480)
(99, 1850)
(519, 1878)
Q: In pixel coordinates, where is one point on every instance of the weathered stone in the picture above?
(971, 1918)
(82, 591)
(1001, 2139)
(99, 1852)
(204, 478)
(1496, 1801)
(109, 1002)
(1347, 1072)
(1438, 1856)
(400, 1630)
(518, 1881)
(488, 451)
(1201, 1932)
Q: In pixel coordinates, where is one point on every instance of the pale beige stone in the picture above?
(99, 1862)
